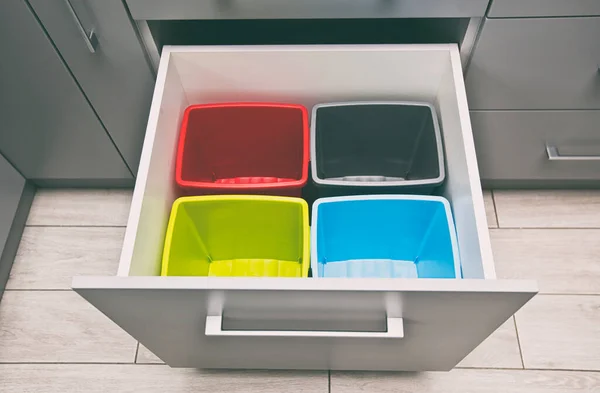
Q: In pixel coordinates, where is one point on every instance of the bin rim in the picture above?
(179, 202)
(340, 199)
(193, 184)
(399, 183)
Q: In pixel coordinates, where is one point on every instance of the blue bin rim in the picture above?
(401, 183)
(431, 198)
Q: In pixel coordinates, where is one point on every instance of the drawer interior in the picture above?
(306, 75)
(308, 31)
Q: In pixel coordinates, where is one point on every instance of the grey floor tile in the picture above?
(490, 211)
(548, 208)
(500, 350)
(560, 332)
(561, 260)
(467, 381)
(50, 326)
(154, 378)
(144, 356)
(80, 207)
(49, 257)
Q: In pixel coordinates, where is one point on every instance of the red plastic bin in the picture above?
(235, 148)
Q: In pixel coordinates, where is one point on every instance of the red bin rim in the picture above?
(209, 185)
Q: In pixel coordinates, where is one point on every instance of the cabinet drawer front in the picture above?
(289, 9)
(308, 323)
(536, 64)
(116, 78)
(513, 145)
(518, 8)
(49, 131)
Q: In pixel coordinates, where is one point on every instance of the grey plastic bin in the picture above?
(366, 147)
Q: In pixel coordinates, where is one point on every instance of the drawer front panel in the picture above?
(512, 145)
(532, 8)
(289, 9)
(116, 77)
(536, 64)
(307, 324)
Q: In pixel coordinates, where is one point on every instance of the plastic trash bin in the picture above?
(237, 235)
(384, 236)
(359, 146)
(243, 148)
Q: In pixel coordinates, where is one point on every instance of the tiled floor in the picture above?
(53, 341)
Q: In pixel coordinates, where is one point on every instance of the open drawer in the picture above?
(306, 323)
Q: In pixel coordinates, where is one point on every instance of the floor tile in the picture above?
(561, 260)
(560, 332)
(154, 379)
(144, 356)
(548, 208)
(500, 350)
(490, 211)
(80, 207)
(49, 257)
(50, 326)
(467, 381)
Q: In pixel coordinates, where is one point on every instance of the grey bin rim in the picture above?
(401, 183)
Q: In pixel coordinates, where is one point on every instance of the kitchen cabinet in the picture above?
(110, 67)
(50, 132)
(559, 147)
(547, 63)
(16, 195)
(533, 85)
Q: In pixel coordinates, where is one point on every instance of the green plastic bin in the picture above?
(237, 235)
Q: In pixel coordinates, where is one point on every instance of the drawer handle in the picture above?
(90, 39)
(228, 4)
(214, 327)
(554, 155)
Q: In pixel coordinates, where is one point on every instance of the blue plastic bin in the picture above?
(384, 236)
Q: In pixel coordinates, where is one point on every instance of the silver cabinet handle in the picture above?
(226, 4)
(214, 327)
(90, 38)
(554, 155)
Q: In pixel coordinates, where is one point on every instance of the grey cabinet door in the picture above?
(516, 8)
(512, 145)
(48, 129)
(116, 78)
(536, 64)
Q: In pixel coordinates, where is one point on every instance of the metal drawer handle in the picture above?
(91, 41)
(554, 155)
(214, 327)
(226, 4)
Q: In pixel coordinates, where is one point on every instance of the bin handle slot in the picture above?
(214, 327)
(554, 155)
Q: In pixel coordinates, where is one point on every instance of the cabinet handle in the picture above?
(227, 4)
(90, 38)
(214, 327)
(554, 155)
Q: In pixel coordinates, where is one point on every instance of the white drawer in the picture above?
(306, 323)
